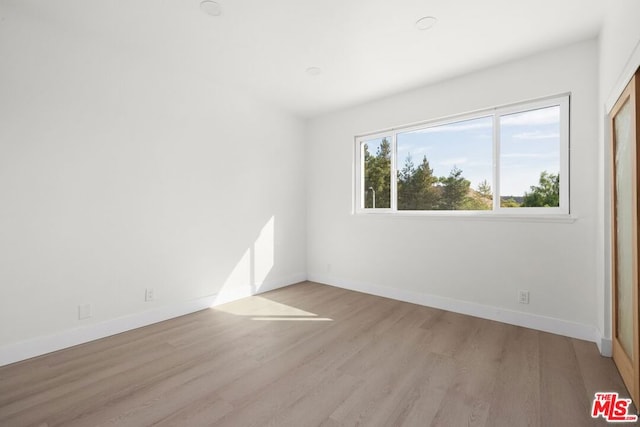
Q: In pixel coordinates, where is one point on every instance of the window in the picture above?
(376, 158)
(512, 160)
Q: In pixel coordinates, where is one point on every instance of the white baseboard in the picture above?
(38, 346)
(605, 345)
(512, 317)
(23, 350)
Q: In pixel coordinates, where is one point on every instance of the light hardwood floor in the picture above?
(313, 355)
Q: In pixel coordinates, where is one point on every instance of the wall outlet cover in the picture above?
(84, 311)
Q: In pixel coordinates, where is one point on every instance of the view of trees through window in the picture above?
(530, 158)
(450, 166)
(377, 173)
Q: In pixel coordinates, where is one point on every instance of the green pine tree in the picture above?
(377, 176)
(454, 190)
(416, 186)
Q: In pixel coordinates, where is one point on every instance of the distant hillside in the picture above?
(518, 199)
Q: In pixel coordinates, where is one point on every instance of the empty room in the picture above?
(297, 213)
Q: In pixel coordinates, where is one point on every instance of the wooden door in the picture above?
(624, 120)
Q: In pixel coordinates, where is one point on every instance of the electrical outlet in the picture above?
(148, 294)
(523, 297)
(84, 311)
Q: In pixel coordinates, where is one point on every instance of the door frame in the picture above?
(629, 369)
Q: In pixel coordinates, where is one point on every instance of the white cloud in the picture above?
(530, 155)
(543, 116)
(458, 127)
(454, 161)
(536, 135)
(416, 155)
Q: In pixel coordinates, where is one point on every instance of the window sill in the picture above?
(472, 216)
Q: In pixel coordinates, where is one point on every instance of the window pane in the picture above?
(530, 158)
(623, 143)
(446, 167)
(376, 156)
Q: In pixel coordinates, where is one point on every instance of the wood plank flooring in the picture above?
(313, 355)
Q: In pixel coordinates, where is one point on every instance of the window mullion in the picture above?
(360, 183)
(394, 172)
(565, 150)
(496, 162)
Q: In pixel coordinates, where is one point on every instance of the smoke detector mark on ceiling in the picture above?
(211, 8)
(426, 22)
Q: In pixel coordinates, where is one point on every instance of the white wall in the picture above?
(619, 39)
(465, 265)
(619, 48)
(117, 174)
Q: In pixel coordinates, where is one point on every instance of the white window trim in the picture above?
(561, 213)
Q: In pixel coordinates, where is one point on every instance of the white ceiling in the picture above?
(366, 48)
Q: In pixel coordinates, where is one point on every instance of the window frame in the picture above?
(562, 211)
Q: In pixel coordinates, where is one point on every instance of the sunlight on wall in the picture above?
(263, 253)
(253, 268)
(239, 283)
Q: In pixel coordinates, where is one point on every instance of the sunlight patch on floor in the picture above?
(260, 308)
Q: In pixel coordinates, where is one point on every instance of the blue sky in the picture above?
(530, 144)
(467, 145)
